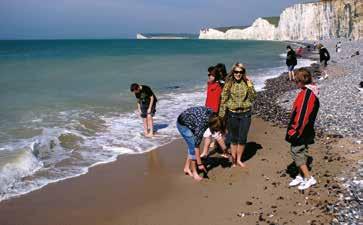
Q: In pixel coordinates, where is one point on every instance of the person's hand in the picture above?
(201, 167)
(248, 81)
(149, 111)
(138, 113)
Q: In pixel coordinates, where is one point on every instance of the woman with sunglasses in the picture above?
(236, 102)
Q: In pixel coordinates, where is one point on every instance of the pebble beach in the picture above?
(339, 120)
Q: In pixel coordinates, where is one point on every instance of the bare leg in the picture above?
(240, 150)
(234, 154)
(289, 75)
(194, 171)
(207, 142)
(150, 126)
(146, 132)
(293, 75)
(187, 170)
(305, 171)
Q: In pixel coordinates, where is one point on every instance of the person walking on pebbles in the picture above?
(291, 62)
(324, 58)
(236, 103)
(300, 131)
(146, 106)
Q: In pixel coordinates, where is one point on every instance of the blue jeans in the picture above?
(238, 126)
(188, 136)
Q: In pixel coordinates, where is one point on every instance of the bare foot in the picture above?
(149, 135)
(197, 177)
(241, 164)
(234, 165)
(188, 172)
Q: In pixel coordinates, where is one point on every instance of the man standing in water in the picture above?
(146, 106)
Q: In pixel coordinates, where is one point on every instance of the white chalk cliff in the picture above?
(309, 21)
(261, 29)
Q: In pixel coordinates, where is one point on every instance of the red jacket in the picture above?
(301, 127)
(213, 100)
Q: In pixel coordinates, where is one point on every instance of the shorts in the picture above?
(188, 136)
(144, 108)
(208, 134)
(238, 126)
(290, 68)
(299, 154)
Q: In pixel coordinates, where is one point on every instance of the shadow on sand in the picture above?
(213, 161)
(292, 170)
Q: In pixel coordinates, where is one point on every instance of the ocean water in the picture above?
(66, 105)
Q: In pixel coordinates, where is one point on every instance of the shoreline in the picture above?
(156, 187)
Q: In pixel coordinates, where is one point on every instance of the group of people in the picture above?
(324, 57)
(226, 118)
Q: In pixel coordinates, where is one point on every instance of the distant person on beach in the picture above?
(236, 103)
(214, 91)
(291, 62)
(314, 46)
(191, 124)
(300, 52)
(300, 131)
(324, 58)
(146, 106)
(338, 47)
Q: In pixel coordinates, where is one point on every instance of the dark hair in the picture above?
(216, 123)
(210, 69)
(289, 47)
(134, 87)
(221, 68)
(304, 76)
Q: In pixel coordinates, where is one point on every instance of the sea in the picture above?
(65, 105)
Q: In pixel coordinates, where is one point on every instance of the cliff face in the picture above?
(261, 29)
(310, 21)
(322, 20)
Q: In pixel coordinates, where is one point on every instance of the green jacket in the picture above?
(237, 97)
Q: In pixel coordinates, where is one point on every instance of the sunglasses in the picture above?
(238, 72)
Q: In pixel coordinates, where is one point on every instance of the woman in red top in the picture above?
(214, 91)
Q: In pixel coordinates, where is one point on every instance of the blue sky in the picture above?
(58, 19)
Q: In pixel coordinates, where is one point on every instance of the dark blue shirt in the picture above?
(196, 119)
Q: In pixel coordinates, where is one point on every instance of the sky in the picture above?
(64, 19)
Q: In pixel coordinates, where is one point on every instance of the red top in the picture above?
(214, 91)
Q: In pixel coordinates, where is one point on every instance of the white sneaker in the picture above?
(298, 179)
(307, 183)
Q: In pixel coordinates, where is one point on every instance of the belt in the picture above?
(240, 110)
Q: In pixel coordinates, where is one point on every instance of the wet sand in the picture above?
(150, 189)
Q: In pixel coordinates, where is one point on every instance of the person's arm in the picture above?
(139, 108)
(252, 94)
(224, 99)
(151, 104)
(199, 160)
